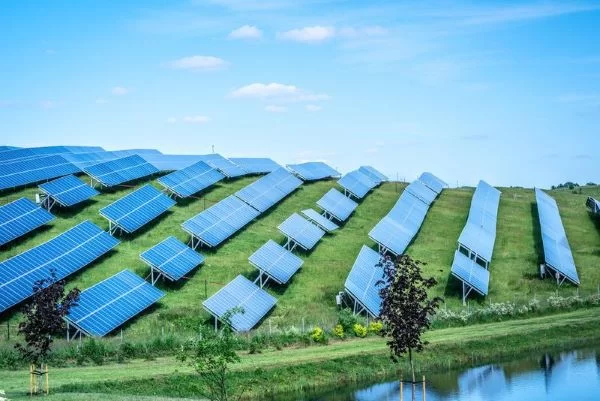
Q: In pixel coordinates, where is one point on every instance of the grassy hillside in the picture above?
(310, 296)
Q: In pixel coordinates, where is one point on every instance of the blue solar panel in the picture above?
(111, 302)
(137, 208)
(30, 153)
(190, 180)
(255, 165)
(268, 190)
(241, 293)
(470, 273)
(276, 262)
(391, 236)
(301, 231)
(66, 254)
(119, 171)
(22, 172)
(311, 171)
(362, 280)
(224, 165)
(6, 148)
(421, 191)
(67, 191)
(372, 172)
(557, 252)
(357, 183)
(593, 205)
(337, 205)
(219, 222)
(172, 258)
(320, 220)
(19, 217)
(433, 182)
(82, 160)
(172, 162)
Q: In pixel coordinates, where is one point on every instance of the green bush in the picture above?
(338, 331)
(318, 335)
(347, 319)
(375, 327)
(359, 330)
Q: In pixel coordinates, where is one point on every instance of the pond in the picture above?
(564, 376)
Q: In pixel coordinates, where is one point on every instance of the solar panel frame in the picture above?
(18, 173)
(422, 192)
(226, 166)
(372, 172)
(172, 258)
(593, 205)
(267, 191)
(337, 205)
(434, 183)
(323, 222)
(120, 171)
(67, 191)
(357, 183)
(276, 262)
(191, 180)
(470, 273)
(21, 217)
(312, 171)
(255, 165)
(362, 281)
(301, 231)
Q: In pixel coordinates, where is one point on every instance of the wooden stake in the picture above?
(48, 381)
(424, 395)
(401, 388)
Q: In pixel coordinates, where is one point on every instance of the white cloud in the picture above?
(119, 91)
(309, 34)
(246, 32)
(313, 107)
(280, 92)
(198, 63)
(275, 109)
(195, 119)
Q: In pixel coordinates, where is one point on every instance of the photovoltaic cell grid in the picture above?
(220, 221)
(557, 252)
(66, 254)
(82, 160)
(311, 171)
(433, 182)
(136, 209)
(172, 258)
(241, 293)
(276, 262)
(470, 273)
(361, 283)
(372, 172)
(28, 171)
(110, 303)
(255, 165)
(20, 217)
(593, 205)
(119, 171)
(337, 205)
(30, 153)
(224, 165)
(190, 180)
(357, 183)
(67, 191)
(320, 220)
(421, 191)
(301, 231)
(268, 190)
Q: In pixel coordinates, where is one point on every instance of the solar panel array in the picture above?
(255, 165)
(357, 183)
(172, 162)
(66, 191)
(323, 222)
(470, 273)
(397, 229)
(335, 204)
(172, 259)
(311, 171)
(20, 217)
(275, 262)
(593, 205)
(301, 232)
(136, 209)
(82, 160)
(372, 172)
(557, 252)
(433, 182)
(220, 221)
(190, 180)
(244, 294)
(227, 167)
(28, 171)
(66, 254)
(31, 153)
(268, 190)
(110, 303)
(119, 171)
(362, 281)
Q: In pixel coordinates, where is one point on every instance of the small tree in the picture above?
(406, 310)
(43, 318)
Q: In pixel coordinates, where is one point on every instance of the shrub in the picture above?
(359, 330)
(347, 319)
(93, 350)
(9, 359)
(375, 327)
(318, 335)
(338, 331)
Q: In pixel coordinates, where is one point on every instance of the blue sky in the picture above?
(504, 91)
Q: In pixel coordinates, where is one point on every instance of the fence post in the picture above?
(205, 289)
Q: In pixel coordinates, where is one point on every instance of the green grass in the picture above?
(310, 296)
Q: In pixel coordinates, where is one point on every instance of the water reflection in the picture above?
(565, 376)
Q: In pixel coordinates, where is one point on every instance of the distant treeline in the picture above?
(570, 185)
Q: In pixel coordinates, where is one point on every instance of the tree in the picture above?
(406, 310)
(43, 318)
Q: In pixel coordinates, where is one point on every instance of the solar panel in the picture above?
(240, 293)
(593, 205)
(5, 148)
(255, 165)
(471, 274)
(421, 191)
(139, 152)
(335, 204)
(269, 190)
(372, 172)
(119, 171)
(433, 182)
(219, 222)
(362, 282)
(172, 162)
(66, 191)
(22, 172)
(108, 304)
(227, 167)
(20, 217)
(300, 232)
(190, 180)
(172, 259)
(82, 160)
(275, 262)
(391, 236)
(557, 252)
(323, 222)
(30, 153)
(357, 183)
(136, 209)
(311, 171)
(66, 254)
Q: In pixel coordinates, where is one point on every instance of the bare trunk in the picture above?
(412, 369)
